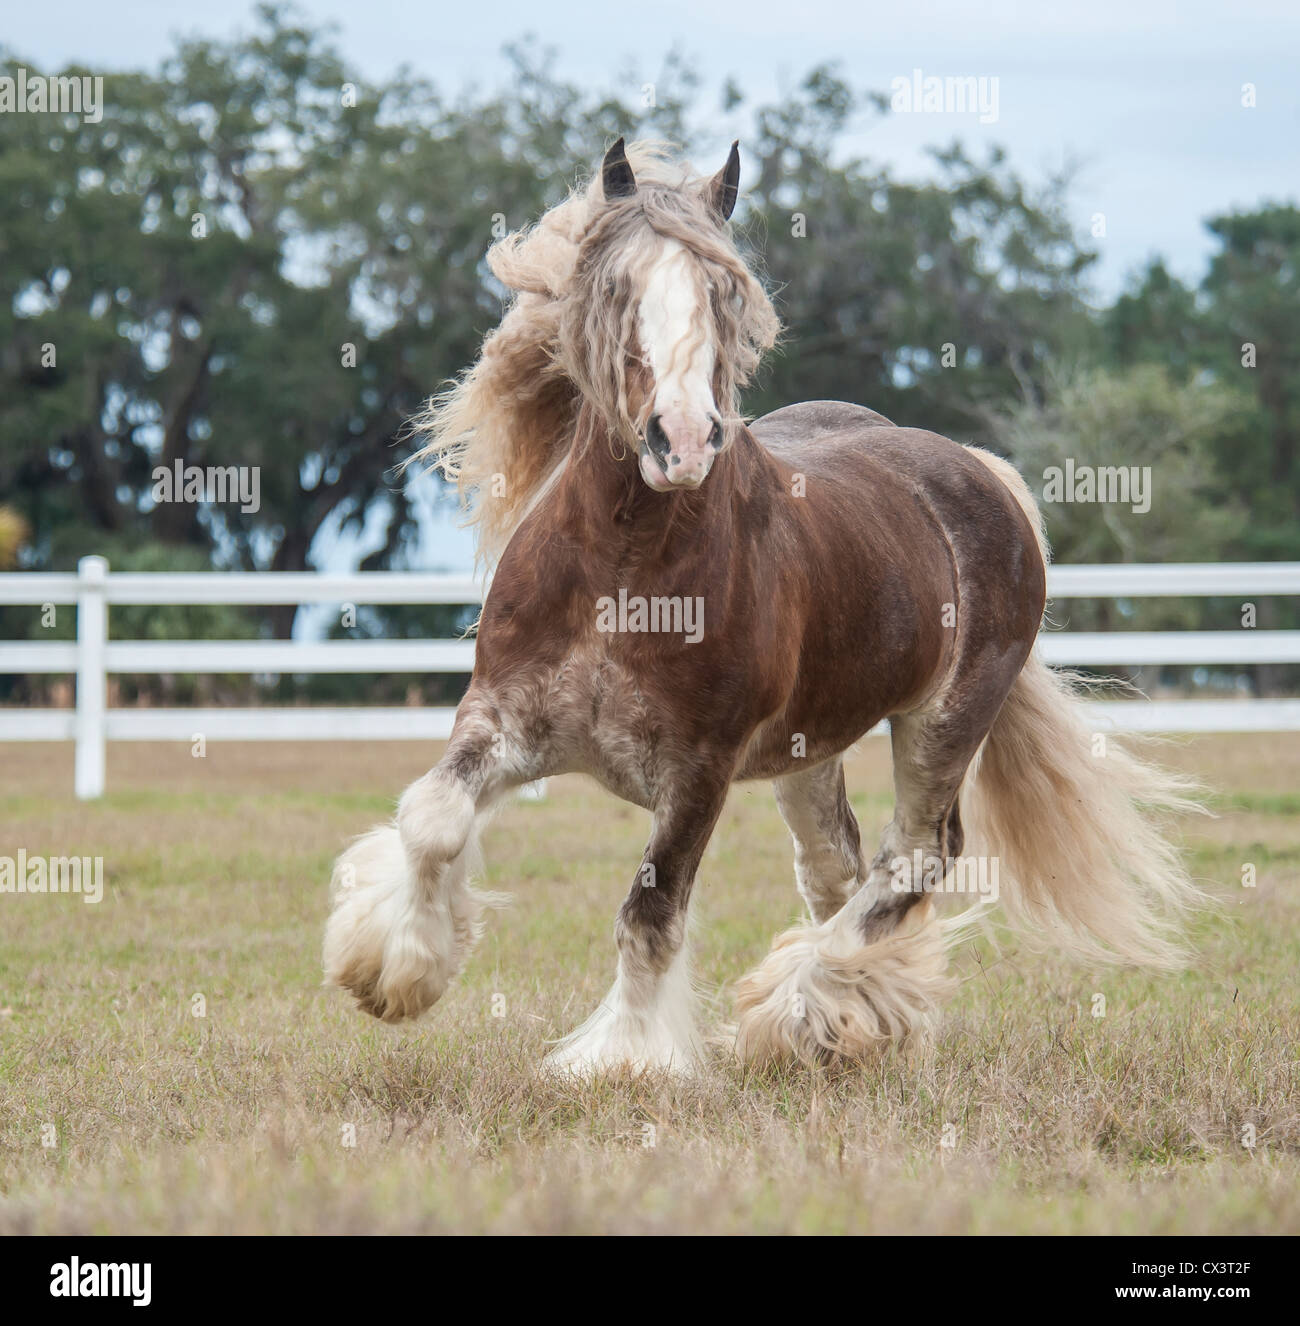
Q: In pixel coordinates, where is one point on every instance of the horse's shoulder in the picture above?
(809, 420)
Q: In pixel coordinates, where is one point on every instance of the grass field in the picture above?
(282, 1109)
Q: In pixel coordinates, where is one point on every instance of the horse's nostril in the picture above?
(655, 437)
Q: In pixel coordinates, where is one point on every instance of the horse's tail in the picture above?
(1074, 819)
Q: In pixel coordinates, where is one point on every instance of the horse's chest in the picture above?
(608, 723)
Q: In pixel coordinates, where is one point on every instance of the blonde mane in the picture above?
(569, 335)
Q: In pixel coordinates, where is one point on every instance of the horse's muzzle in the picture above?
(678, 454)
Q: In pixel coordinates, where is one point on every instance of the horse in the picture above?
(683, 599)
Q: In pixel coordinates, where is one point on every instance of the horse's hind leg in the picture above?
(405, 916)
(876, 969)
(920, 843)
(828, 866)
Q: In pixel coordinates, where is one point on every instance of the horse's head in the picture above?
(665, 322)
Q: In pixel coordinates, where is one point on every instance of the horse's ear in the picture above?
(722, 188)
(616, 176)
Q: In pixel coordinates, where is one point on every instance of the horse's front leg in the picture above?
(647, 1020)
(405, 915)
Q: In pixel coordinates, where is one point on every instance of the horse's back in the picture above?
(837, 436)
(809, 421)
(847, 443)
(839, 441)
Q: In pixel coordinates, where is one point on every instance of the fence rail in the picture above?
(92, 657)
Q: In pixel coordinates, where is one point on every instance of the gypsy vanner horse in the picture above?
(848, 571)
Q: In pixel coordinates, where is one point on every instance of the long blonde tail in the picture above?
(1074, 821)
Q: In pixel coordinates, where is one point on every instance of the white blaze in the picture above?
(676, 336)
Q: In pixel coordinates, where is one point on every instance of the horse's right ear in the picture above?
(616, 176)
(724, 186)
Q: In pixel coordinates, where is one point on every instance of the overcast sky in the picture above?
(1144, 94)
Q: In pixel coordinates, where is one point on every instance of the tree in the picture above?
(1141, 418)
(1144, 418)
(1239, 328)
(933, 303)
(1253, 311)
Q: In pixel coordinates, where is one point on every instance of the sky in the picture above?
(1143, 97)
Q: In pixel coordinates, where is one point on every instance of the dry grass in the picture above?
(237, 1121)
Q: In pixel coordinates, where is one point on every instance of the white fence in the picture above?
(92, 656)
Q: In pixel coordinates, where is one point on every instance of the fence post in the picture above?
(92, 635)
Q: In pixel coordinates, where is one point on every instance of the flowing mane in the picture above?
(569, 334)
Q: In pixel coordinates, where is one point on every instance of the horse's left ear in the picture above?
(722, 188)
(616, 178)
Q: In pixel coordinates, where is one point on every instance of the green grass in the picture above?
(284, 1110)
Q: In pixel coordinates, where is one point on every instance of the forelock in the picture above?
(623, 239)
